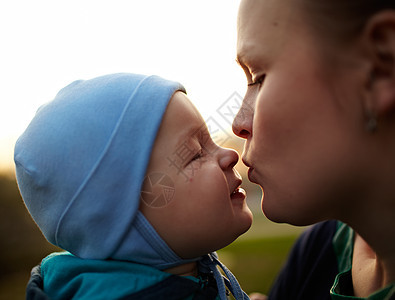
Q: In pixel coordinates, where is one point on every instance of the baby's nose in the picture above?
(228, 158)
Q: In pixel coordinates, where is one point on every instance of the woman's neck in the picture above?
(369, 272)
(374, 247)
(188, 269)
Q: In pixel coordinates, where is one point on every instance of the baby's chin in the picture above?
(246, 222)
(246, 225)
(245, 228)
(241, 226)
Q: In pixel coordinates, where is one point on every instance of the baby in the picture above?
(120, 171)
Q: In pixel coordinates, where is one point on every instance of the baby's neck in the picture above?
(189, 269)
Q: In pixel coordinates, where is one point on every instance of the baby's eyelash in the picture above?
(197, 155)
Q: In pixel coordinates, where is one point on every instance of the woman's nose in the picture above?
(228, 158)
(242, 124)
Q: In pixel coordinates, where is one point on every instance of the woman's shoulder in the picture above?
(311, 266)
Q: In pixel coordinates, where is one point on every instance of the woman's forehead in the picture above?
(263, 26)
(264, 12)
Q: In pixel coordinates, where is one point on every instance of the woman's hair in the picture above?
(342, 19)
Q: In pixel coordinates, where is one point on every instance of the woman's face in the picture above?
(301, 117)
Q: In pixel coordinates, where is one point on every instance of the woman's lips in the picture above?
(251, 175)
(250, 170)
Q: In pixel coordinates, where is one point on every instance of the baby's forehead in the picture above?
(182, 114)
(182, 127)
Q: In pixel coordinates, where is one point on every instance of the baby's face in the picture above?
(192, 194)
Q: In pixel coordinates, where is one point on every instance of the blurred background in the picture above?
(48, 44)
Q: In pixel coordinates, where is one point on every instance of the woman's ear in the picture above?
(380, 36)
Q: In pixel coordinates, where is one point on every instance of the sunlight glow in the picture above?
(48, 44)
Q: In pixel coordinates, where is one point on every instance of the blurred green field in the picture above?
(255, 258)
(21, 244)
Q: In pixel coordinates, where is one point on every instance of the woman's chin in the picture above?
(281, 216)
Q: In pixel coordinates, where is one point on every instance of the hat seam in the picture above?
(153, 238)
(98, 162)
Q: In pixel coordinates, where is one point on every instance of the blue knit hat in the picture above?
(81, 162)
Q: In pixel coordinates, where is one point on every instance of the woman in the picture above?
(319, 122)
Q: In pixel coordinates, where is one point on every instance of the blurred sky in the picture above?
(48, 44)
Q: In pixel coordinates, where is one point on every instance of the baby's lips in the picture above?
(236, 186)
(238, 175)
(241, 190)
(238, 195)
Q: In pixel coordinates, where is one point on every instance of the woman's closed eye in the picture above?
(259, 81)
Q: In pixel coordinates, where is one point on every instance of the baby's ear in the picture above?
(380, 35)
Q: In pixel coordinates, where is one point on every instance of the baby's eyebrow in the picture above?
(189, 134)
(185, 147)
